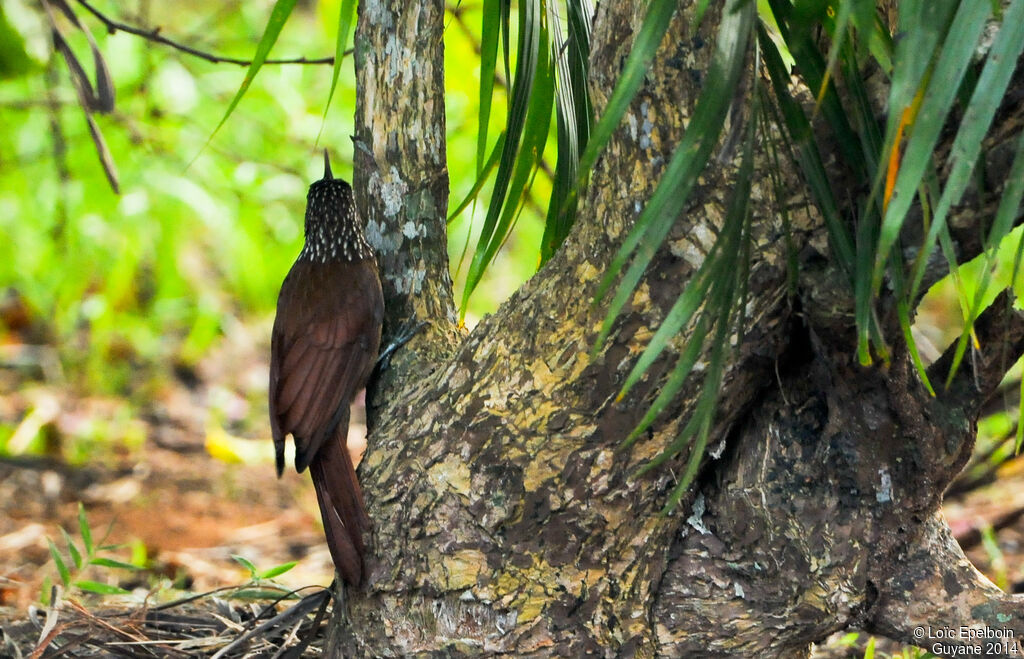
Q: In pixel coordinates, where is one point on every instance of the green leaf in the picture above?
(84, 530)
(985, 100)
(246, 563)
(1006, 213)
(276, 570)
(689, 160)
(58, 560)
(779, 194)
(574, 118)
(505, 13)
(838, 33)
(723, 301)
(678, 316)
(674, 383)
(345, 15)
(46, 591)
(561, 212)
(698, 16)
(726, 305)
(489, 35)
(808, 158)
(101, 588)
(656, 22)
(530, 29)
(14, 59)
(538, 122)
(1019, 441)
(798, 127)
(76, 556)
(278, 17)
(797, 27)
(955, 55)
(109, 562)
(482, 177)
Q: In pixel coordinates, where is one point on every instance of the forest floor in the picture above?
(188, 482)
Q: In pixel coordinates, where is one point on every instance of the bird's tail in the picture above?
(341, 505)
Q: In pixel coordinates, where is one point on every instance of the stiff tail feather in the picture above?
(341, 505)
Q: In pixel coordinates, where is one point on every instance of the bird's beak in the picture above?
(327, 167)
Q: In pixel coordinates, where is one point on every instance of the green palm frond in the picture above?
(689, 160)
(550, 78)
(574, 116)
(931, 69)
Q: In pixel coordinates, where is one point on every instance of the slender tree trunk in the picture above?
(507, 516)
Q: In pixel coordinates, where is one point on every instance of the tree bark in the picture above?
(508, 519)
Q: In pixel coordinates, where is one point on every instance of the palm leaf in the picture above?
(530, 29)
(659, 17)
(489, 36)
(687, 163)
(573, 121)
(346, 13)
(482, 175)
(954, 55)
(725, 304)
(278, 17)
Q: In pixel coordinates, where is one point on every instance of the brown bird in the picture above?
(323, 349)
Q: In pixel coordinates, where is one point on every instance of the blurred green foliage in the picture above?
(126, 286)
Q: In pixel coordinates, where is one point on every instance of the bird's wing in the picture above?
(318, 364)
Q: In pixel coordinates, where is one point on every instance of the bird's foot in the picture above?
(405, 333)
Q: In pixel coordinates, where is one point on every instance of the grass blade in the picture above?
(58, 560)
(76, 556)
(246, 563)
(110, 562)
(277, 570)
(101, 588)
(85, 531)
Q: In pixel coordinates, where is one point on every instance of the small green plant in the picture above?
(80, 560)
(851, 640)
(259, 575)
(257, 590)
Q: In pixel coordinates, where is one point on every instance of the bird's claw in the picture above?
(405, 333)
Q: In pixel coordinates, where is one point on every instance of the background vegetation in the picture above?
(125, 295)
(199, 238)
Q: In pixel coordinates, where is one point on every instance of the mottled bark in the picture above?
(507, 519)
(401, 175)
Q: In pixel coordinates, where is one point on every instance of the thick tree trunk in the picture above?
(507, 519)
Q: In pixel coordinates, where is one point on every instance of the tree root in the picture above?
(939, 601)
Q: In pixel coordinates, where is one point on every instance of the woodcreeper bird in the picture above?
(323, 348)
